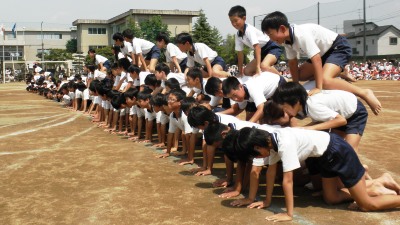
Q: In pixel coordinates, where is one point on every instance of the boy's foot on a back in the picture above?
(373, 102)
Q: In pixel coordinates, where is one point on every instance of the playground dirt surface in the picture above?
(57, 167)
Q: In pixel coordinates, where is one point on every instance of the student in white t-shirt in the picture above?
(338, 110)
(164, 73)
(335, 159)
(328, 54)
(146, 52)
(266, 52)
(125, 47)
(257, 89)
(174, 56)
(102, 62)
(213, 65)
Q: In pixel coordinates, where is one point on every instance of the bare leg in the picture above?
(330, 71)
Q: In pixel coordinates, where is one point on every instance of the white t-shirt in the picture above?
(141, 46)
(260, 88)
(251, 37)
(98, 75)
(173, 51)
(179, 76)
(86, 95)
(201, 51)
(100, 59)
(309, 40)
(296, 145)
(142, 77)
(127, 49)
(78, 93)
(327, 104)
(180, 123)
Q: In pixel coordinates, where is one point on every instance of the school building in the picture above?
(98, 33)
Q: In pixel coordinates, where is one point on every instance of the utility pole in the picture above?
(41, 34)
(318, 12)
(364, 36)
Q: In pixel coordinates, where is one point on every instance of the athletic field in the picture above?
(56, 167)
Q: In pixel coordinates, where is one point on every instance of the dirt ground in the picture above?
(56, 167)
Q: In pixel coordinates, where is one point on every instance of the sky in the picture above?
(332, 13)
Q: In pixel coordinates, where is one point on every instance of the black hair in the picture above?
(91, 68)
(161, 67)
(115, 66)
(118, 36)
(77, 77)
(229, 84)
(102, 89)
(187, 103)
(228, 145)
(92, 86)
(145, 94)
(182, 38)
(194, 73)
(198, 115)
(91, 51)
(272, 111)
(133, 69)
(247, 139)
(273, 21)
(158, 100)
(163, 36)
(213, 133)
(117, 49)
(117, 100)
(151, 80)
(128, 33)
(124, 63)
(291, 93)
(131, 93)
(212, 85)
(179, 94)
(81, 86)
(238, 11)
(172, 83)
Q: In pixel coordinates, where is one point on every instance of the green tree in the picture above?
(56, 55)
(72, 45)
(105, 51)
(135, 29)
(228, 52)
(204, 33)
(152, 27)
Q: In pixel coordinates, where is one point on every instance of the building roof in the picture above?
(175, 12)
(374, 32)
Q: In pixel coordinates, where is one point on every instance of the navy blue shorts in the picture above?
(153, 54)
(357, 122)
(218, 60)
(271, 48)
(107, 64)
(339, 54)
(340, 160)
(183, 65)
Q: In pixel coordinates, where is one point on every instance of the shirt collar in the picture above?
(246, 91)
(274, 140)
(241, 34)
(291, 35)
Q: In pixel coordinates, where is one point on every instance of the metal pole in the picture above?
(254, 21)
(364, 36)
(41, 34)
(3, 67)
(318, 12)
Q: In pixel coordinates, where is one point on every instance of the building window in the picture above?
(358, 42)
(355, 52)
(97, 30)
(49, 36)
(373, 41)
(96, 46)
(393, 41)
